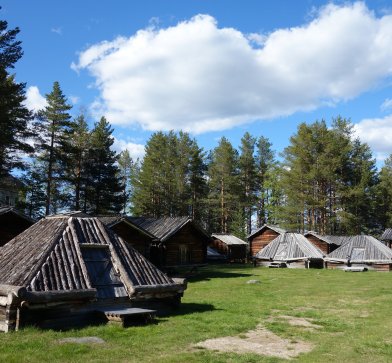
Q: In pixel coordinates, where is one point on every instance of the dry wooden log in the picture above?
(15, 290)
(60, 295)
(159, 288)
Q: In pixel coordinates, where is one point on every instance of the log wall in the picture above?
(193, 239)
(322, 245)
(139, 241)
(259, 241)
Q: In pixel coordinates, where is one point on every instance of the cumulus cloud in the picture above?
(34, 100)
(377, 133)
(387, 104)
(135, 150)
(198, 77)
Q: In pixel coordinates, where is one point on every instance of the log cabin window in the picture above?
(184, 254)
(101, 272)
(358, 254)
(281, 252)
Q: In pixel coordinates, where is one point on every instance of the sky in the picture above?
(211, 68)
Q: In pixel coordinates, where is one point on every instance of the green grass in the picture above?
(354, 310)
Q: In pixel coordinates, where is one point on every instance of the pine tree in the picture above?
(53, 125)
(77, 152)
(14, 116)
(265, 167)
(103, 192)
(248, 179)
(384, 195)
(126, 171)
(223, 186)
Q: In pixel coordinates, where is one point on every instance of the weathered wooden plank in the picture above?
(64, 295)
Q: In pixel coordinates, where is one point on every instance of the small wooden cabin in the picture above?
(12, 222)
(181, 241)
(137, 237)
(387, 237)
(325, 243)
(63, 271)
(262, 237)
(363, 252)
(291, 250)
(234, 248)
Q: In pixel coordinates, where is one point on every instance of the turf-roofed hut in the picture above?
(261, 237)
(291, 250)
(137, 237)
(387, 237)
(326, 243)
(234, 248)
(63, 270)
(181, 241)
(12, 222)
(361, 251)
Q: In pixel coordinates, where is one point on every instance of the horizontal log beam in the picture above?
(15, 290)
(59, 295)
(152, 289)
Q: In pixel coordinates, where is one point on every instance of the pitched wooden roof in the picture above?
(289, 246)
(361, 249)
(229, 239)
(47, 256)
(11, 210)
(110, 221)
(387, 235)
(165, 227)
(266, 226)
(329, 239)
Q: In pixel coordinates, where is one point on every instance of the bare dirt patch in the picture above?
(258, 341)
(301, 322)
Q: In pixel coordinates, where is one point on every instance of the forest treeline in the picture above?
(325, 179)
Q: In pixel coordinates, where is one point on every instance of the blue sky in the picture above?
(213, 68)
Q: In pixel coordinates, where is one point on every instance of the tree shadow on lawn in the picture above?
(207, 275)
(190, 308)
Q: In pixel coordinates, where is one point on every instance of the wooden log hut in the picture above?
(387, 237)
(12, 222)
(137, 237)
(362, 252)
(66, 271)
(261, 237)
(181, 241)
(234, 248)
(326, 243)
(290, 250)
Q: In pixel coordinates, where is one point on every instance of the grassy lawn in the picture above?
(354, 310)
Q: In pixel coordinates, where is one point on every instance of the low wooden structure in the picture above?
(261, 237)
(325, 243)
(181, 241)
(63, 270)
(361, 251)
(387, 237)
(291, 250)
(12, 222)
(214, 256)
(234, 248)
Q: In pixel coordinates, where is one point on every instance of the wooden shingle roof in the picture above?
(289, 246)
(229, 239)
(361, 248)
(329, 239)
(47, 256)
(267, 226)
(165, 227)
(387, 235)
(11, 210)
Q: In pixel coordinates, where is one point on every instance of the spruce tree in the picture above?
(103, 192)
(384, 195)
(248, 179)
(126, 170)
(14, 116)
(53, 125)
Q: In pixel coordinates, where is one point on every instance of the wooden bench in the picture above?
(127, 316)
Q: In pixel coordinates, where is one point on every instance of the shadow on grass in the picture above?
(190, 308)
(203, 275)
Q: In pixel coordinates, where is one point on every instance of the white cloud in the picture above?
(34, 100)
(387, 104)
(198, 77)
(135, 150)
(377, 133)
(57, 30)
(74, 99)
